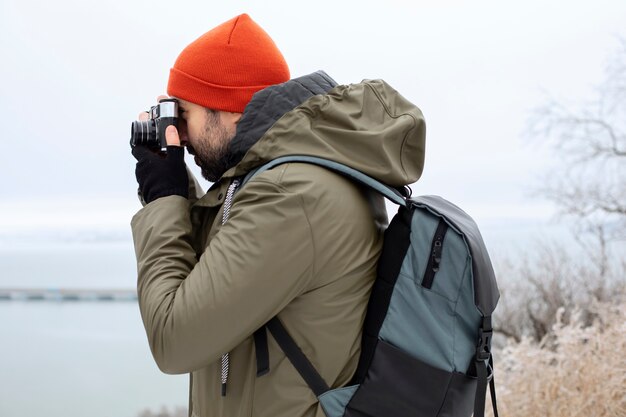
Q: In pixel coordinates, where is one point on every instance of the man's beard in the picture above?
(211, 151)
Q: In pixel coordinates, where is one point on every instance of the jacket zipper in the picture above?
(228, 201)
(436, 249)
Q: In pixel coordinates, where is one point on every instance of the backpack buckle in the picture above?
(405, 191)
(484, 345)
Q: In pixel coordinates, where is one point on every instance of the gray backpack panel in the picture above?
(437, 325)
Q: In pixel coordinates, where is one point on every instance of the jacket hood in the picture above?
(269, 105)
(368, 126)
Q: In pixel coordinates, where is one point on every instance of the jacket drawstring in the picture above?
(227, 203)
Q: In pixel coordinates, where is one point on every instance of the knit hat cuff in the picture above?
(212, 96)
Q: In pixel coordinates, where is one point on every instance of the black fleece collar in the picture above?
(269, 105)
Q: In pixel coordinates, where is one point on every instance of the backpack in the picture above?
(426, 344)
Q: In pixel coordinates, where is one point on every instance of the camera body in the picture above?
(151, 133)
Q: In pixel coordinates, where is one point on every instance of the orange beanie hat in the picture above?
(223, 68)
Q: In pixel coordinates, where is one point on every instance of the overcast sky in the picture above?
(75, 73)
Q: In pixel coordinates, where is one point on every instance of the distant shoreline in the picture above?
(67, 294)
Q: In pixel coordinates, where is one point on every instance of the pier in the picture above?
(67, 294)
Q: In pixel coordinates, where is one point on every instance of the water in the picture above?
(70, 359)
(80, 358)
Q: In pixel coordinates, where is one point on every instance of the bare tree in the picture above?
(589, 140)
(588, 184)
(549, 284)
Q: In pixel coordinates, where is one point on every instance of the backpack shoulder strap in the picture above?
(299, 360)
(284, 340)
(393, 195)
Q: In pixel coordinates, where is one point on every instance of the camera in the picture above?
(151, 133)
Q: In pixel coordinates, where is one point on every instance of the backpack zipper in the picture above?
(436, 249)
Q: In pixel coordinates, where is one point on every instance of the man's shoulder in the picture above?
(311, 181)
(326, 194)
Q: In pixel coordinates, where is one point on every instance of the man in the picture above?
(298, 241)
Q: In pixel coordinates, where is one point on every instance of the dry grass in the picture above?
(580, 370)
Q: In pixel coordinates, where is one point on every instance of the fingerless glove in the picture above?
(160, 175)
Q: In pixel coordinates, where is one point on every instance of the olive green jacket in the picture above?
(301, 242)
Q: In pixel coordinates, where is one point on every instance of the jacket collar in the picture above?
(269, 105)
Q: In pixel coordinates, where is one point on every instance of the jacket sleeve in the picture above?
(260, 260)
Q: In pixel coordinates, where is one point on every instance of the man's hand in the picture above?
(158, 174)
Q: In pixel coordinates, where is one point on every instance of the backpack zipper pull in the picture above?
(437, 250)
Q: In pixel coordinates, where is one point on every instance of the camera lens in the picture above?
(144, 133)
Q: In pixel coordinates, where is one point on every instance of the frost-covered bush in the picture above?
(580, 370)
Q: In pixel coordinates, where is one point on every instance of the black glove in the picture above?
(160, 175)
